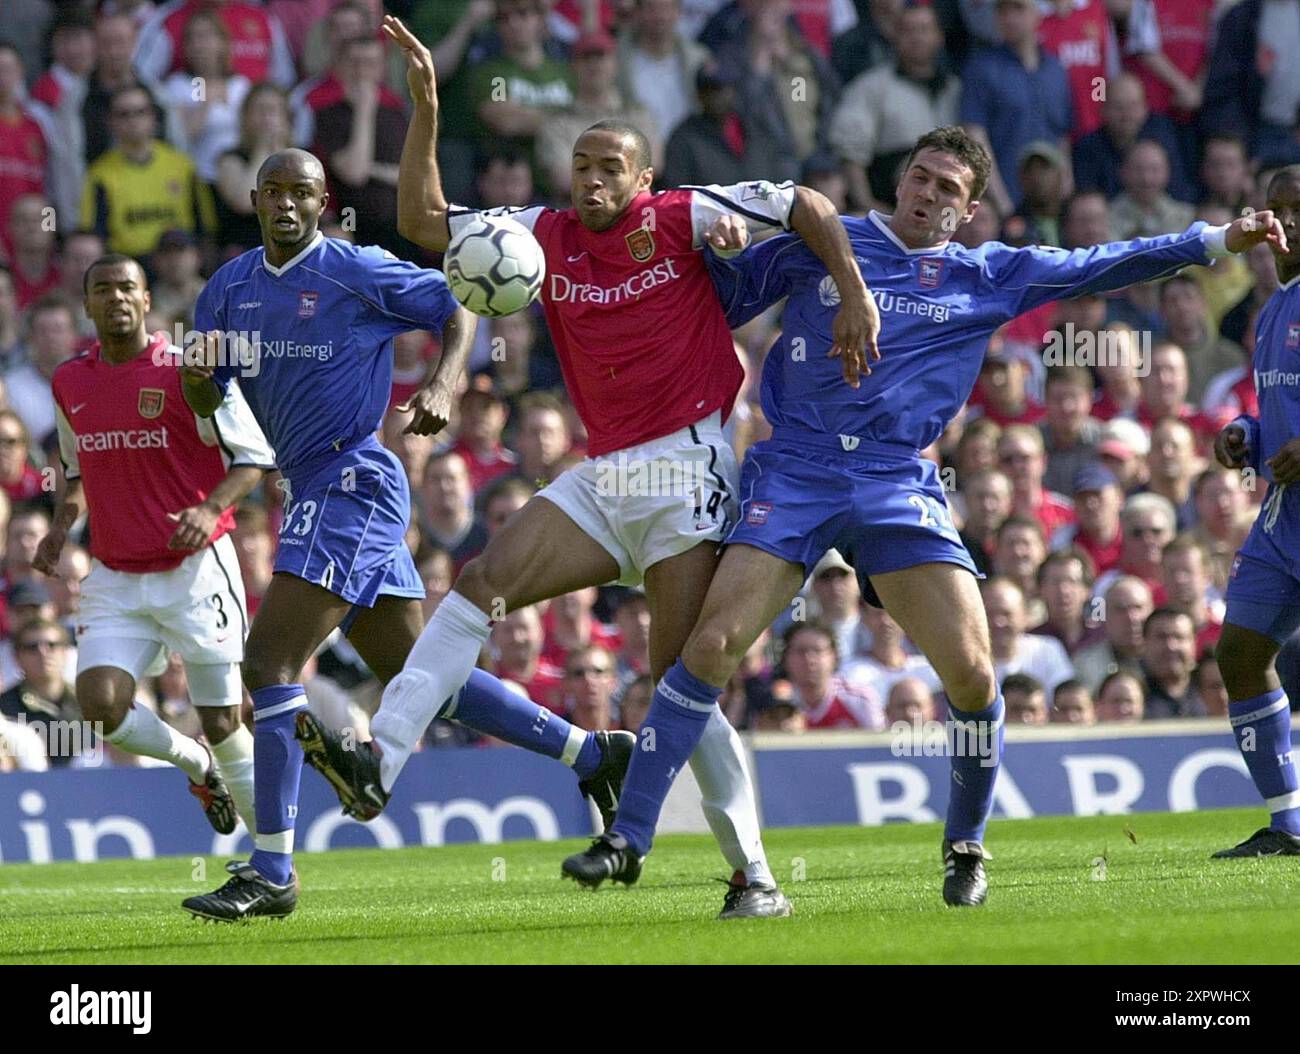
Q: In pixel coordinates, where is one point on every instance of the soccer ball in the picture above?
(494, 266)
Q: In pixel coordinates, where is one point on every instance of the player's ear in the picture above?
(148, 301)
(646, 178)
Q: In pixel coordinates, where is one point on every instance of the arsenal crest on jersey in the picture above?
(1293, 335)
(641, 244)
(151, 402)
(307, 303)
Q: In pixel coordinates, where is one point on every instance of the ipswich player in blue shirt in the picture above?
(1264, 585)
(320, 315)
(843, 467)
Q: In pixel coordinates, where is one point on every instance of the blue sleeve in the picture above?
(1027, 278)
(209, 314)
(750, 283)
(402, 296)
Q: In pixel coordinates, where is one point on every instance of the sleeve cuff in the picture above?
(1216, 242)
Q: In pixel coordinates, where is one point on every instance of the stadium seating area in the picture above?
(1080, 473)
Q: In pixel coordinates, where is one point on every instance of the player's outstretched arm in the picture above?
(432, 402)
(857, 323)
(421, 206)
(69, 510)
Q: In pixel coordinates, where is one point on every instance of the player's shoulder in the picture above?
(236, 267)
(69, 369)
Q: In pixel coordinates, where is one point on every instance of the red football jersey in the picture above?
(642, 340)
(1084, 44)
(258, 49)
(1181, 31)
(23, 157)
(141, 453)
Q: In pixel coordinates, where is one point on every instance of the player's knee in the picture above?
(488, 584)
(105, 695)
(408, 694)
(713, 652)
(218, 722)
(974, 689)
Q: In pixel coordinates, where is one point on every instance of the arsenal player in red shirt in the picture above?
(159, 484)
(651, 369)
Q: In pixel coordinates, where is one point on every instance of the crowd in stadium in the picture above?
(1081, 473)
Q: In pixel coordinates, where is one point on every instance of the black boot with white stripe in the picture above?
(964, 882)
(609, 857)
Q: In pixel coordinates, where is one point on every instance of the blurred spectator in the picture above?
(1164, 393)
(1223, 518)
(1185, 584)
(977, 450)
(1168, 46)
(636, 703)
(1187, 324)
(171, 694)
(1125, 119)
(18, 476)
(317, 28)
(657, 64)
(837, 601)
(1079, 33)
(478, 436)
(1148, 523)
(1168, 657)
(1122, 613)
(32, 260)
(810, 658)
(324, 87)
(910, 701)
(1002, 387)
(1085, 221)
(1210, 687)
(1250, 86)
(632, 619)
(721, 144)
(1225, 172)
(437, 572)
(512, 93)
(823, 173)
(516, 643)
(1072, 704)
(987, 496)
(51, 340)
(1070, 435)
(80, 250)
(43, 695)
(1018, 552)
(65, 587)
(142, 187)
(542, 440)
(1144, 209)
(115, 38)
(1014, 650)
(1121, 388)
(1042, 175)
(359, 137)
(775, 708)
(1174, 465)
(203, 98)
(769, 55)
(1021, 457)
(1025, 702)
(884, 111)
(258, 47)
(505, 177)
(1064, 584)
(10, 331)
(21, 747)
(588, 687)
(1121, 699)
(595, 98)
(29, 599)
(886, 662)
(446, 501)
(24, 148)
(255, 551)
(1014, 93)
(503, 497)
(176, 282)
(59, 93)
(569, 625)
(412, 352)
(1098, 499)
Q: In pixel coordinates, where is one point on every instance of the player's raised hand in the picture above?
(201, 364)
(1253, 228)
(854, 331)
(1286, 463)
(194, 526)
(432, 406)
(727, 235)
(1230, 447)
(421, 78)
(48, 552)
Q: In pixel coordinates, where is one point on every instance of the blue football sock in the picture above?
(975, 748)
(1262, 726)
(488, 705)
(679, 712)
(277, 769)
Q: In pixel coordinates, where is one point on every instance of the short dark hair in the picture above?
(38, 625)
(640, 144)
(1072, 554)
(111, 260)
(1285, 174)
(1072, 684)
(1068, 373)
(1167, 611)
(816, 626)
(954, 139)
(1021, 682)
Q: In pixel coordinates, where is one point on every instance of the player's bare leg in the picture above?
(1260, 715)
(385, 634)
(106, 695)
(675, 591)
(938, 606)
(539, 553)
(750, 588)
(217, 692)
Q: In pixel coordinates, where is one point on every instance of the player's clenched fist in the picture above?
(1230, 447)
(1253, 228)
(194, 526)
(727, 236)
(48, 553)
(200, 367)
(420, 76)
(432, 406)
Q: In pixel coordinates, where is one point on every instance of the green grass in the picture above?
(860, 895)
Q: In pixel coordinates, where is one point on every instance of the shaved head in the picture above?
(292, 164)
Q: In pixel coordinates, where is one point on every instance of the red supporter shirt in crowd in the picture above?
(483, 472)
(1054, 511)
(141, 453)
(1104, 556)
(1181, 31)
(545, 687)
(23, 156)
(1204, 426)
(26, 487)
(1030, 415)
(601, 637)
(27, 292)
(844, 707)
(1083, 43)
(642, 340)
(258, 49)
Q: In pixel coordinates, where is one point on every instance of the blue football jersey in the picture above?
(1276, 365)
(938, 308)
(321, 329)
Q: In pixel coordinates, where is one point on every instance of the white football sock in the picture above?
(437, 668)
(234, 756)
(727, 798)
(144, 732)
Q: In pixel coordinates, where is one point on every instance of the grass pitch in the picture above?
(860, 895)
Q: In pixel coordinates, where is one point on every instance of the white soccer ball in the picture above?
(494, 266)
